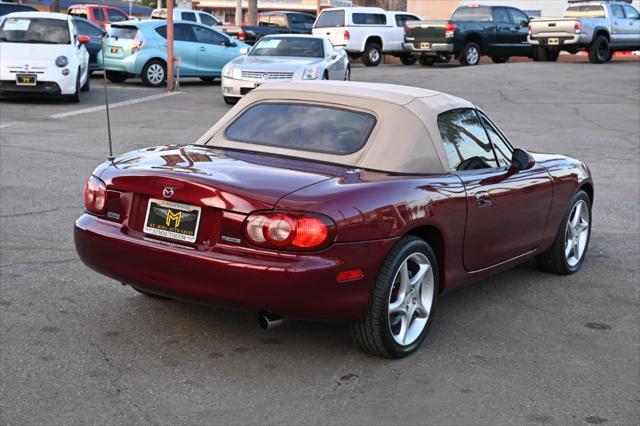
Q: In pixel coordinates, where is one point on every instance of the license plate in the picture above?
(114, 50)
(172, 220)
(26, 79)
(425, 45)
(554, 41)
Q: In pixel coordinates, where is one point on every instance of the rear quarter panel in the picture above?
(370, 206)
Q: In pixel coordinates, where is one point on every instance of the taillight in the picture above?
(289, 230)
(137, 45)
(241, 35)
(449, 29)
(346, 35)
(95, 195)
(578, 26)
(529, 27)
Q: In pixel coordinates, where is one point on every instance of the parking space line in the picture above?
(5, 125)
(112, 106)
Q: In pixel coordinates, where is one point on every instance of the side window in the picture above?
(208, 20)
(403, 19)
(116, 16)
(278, 21)
(205, 35)
(87, 29)
(263, 21)
(503, 150)
(189, 16)
(518, 17)
(500, 14)
(181, 32)
(631, 12)
(465, 141)
(99, 14)
(617, 11)
(79, 12)
(369, 19)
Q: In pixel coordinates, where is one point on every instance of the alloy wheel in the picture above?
(472, 55)
(155, 73)
(374, 55)
(411, 299)
(577, 233)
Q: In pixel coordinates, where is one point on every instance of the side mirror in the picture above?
(83, 39)
(244, 50)
(522, 160)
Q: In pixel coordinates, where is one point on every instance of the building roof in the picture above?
(405, 139)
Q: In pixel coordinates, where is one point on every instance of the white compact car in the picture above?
(284, 57)
(43, 53)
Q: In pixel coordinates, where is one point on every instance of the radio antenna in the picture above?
(104, 81)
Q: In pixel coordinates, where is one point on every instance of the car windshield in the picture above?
(298, 20)
(125, 33)
(472, 13)
(35, 30)
(289, 46)
(304, 127)
(595, 11)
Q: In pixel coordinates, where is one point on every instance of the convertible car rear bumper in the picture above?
(288, 284)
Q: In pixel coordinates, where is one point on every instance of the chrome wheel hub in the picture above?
(155, 73)
(410, 299)
(577, 233)
(472, 55)
(374, 55)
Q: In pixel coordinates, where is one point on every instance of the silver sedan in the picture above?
(284, 57)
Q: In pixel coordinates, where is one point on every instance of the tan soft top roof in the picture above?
(405, 139)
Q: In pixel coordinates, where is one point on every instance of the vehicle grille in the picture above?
(264, 75)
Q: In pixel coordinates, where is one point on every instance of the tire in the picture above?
(427, 60)
(208, 79)
(116, 76)
(154, 73)
(87, 85)
(325, 76)
(375, 332)
(559, 259)
(230, 100)
(500, 59)
(599, 50)
(544, 54)
(75, 97)
(146, 293)
(470, 54)
(372, 55)
(408, 59)
(347, 73)
(354, 56)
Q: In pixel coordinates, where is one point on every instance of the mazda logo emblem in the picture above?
(167, 192)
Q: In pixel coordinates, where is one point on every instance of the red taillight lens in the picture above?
(578, 26)
(450, 27)
(293, 231)
(137, 45)
(241, 35)
(95, 195)
(346, 35)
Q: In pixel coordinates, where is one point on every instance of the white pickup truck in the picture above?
(599, 27)
(366, 32)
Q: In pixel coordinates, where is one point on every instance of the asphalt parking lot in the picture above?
(523, 347)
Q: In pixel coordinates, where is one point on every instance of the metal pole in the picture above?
(170, 45)
(238, 12)
(252, 11)
(318, 8)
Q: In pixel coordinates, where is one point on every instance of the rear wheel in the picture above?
(347, 73)
(569, 248)
(75, 96)
(154, 73)
(470, 54)
(372, 55)
(208, 79)
(87, 84)
(230, 100)
(408, 59)
(546, 54)
(599, 51)
(500, 59)
(402, 301)
(427, 60)
(116, 76)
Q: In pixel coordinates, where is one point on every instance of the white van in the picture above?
(366, 32)
(198, 16)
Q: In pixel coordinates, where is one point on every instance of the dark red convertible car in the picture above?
(335, 201)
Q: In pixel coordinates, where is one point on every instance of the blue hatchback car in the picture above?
(139, 48)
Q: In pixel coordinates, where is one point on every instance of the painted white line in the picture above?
(113, 106)
(5, 125)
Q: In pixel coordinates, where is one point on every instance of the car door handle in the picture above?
(483, 199)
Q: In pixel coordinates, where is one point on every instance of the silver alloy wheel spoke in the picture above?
(577, 233)
(411, 298)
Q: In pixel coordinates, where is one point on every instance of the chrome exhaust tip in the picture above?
(267, 320)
